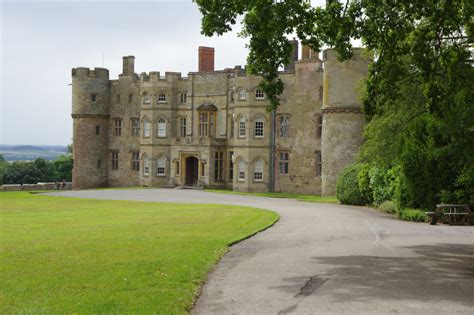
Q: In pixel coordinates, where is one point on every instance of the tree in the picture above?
(4, 166)
(63, 167)
(418, 97)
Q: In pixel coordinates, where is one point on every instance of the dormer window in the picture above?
(242, 95)
(162, 98)
(259, 95)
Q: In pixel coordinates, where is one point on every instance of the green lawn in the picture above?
(67, 255)
(309, 198)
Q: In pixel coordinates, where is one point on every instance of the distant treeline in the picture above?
(39, 170)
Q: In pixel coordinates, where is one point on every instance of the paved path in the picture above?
(331, 259)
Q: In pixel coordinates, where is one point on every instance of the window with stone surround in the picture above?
(118, 127)
(207, 124)
(146, 99)
(259, 95)
(115, 160)
(135, 161)
(183, 97)
(259, 127)
(319, 164)
(135, 127)
(231, 165)
(283, 162)
(219, 166)
(146, 166)
(242, 127)
(162, 98)
(161, 166)
(242, 95)
(319, 126)
(258, 171)
(146, 129)
(177, 170)
(97, 130)
(130, 98)
(232, 127)
(284, 126)
(161, 129)
(93, 97)
(182, 127)
(241, 170)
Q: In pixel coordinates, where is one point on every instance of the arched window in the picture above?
(146, 166)
(259, 126)
(146, 129)
(162, 98)
(258, 171)
(259, 95)
(161, 166)
(161, 130)
(242, 94)
(241, 169)
(242, 127)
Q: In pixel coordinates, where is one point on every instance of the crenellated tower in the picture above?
(343, 120)
(90, 113)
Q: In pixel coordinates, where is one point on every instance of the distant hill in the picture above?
(31, 152)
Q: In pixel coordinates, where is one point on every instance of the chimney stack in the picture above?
(294, 55)
(206, 59)
(128, 65)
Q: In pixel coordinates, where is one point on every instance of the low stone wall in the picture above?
(38, 186)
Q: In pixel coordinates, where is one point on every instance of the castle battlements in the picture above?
(87, 72)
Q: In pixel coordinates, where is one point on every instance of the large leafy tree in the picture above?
(419, 97)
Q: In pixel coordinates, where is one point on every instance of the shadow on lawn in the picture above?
(442, 272)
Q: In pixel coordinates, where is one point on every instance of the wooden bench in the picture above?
(452, 214)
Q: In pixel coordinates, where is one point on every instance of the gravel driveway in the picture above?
(330, 259)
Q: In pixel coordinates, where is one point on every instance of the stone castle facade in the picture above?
(212, 128)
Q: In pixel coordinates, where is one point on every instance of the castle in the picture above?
(212, 128)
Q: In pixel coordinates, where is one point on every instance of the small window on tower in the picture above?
(97, 130)
(118, 98)
(130, 98)
(93, 97)
(183, 98)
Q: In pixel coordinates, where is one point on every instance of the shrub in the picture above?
(388, 207)
(363, 179)
(382, 184)
(412, 215)
(347, 187)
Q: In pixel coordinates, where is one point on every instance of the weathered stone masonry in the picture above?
(212, 128)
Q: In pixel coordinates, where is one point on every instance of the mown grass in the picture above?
(66, 255)
(309, 198)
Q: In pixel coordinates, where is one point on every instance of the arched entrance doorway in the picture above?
(192, 171)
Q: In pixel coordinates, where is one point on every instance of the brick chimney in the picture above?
(206, 59)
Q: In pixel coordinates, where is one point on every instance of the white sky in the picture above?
(41, 41)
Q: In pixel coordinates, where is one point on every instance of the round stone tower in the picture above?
(90, 113)
(343, 120)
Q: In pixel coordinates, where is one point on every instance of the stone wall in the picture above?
(38, 186)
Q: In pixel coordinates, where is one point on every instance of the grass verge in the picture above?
(309, 198)
(68, 255)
